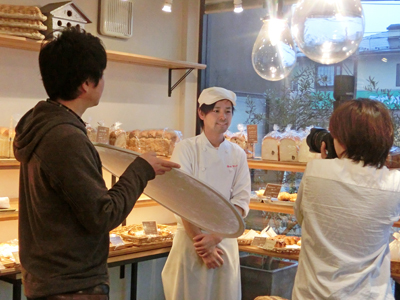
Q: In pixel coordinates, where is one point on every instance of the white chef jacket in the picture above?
(346, 212)
(185, 276)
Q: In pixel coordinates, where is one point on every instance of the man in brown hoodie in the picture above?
(65, 208)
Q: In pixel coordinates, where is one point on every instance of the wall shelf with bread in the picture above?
(13, 42)
(280, 166)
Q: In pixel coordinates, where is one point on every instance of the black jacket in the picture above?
(65, 208)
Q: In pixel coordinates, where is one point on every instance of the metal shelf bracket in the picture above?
(171, 88)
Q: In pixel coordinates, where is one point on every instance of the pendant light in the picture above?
(167, 6)
(328, 31)
(274, 55)
(237, 6)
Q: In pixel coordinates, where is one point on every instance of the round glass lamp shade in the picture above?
(328, 31)
(274, 54)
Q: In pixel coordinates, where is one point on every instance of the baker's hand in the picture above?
(214, 259)
(159, 165)
(204, 244)
(323, 150)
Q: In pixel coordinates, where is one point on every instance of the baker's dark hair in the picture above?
(365, 128)
(69, 60)
(206, 108)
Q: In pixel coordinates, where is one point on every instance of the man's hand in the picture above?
(159, 165)
(204, 244)
(323, 150)
(214, 259)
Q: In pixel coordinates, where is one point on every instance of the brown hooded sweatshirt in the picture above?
(65, 208)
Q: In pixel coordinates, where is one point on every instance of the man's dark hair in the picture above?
(206, 108)
(69, 60)
(365, 128)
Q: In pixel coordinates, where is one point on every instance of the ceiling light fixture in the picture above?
(237, 4)
(328, 31)
(167, 6)
(274, 55)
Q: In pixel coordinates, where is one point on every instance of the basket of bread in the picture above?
(9, 257)
(136, 235)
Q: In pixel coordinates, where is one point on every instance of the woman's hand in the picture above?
(204, 244)
(214, 259)
(323, 150)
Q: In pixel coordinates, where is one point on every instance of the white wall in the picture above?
(134, 95)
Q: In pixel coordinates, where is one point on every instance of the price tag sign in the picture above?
(258, 241)
(16, 257)
(252, 134)
(103, 134)
(116, 240)
(150, 227)
(272, 190)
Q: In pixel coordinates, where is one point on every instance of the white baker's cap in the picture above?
(214, 94)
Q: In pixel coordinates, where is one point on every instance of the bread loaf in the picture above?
(289, 149)
(161, 141)
(270, 148)
(6, 142)
(304, 151)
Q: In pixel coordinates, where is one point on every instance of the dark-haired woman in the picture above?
(346, 207)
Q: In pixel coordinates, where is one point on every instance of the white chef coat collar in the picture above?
(206, 143)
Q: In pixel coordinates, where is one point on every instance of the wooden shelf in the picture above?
(10, 215)
(26, 44)
(276, 165)
(285, 209)
(8, 163)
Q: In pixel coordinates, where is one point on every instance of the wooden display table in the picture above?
(132, 255)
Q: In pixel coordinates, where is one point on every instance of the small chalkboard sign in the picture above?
(103, 134)
(272, 190)
(252, 134)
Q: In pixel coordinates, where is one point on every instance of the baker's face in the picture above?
(219, 119)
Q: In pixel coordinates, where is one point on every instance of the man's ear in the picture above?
(84, 88)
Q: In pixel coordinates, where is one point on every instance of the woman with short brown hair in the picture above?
(346, 207)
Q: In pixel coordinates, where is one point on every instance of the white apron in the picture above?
(185, 276)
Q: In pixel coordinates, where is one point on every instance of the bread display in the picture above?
(24, 21)
(21, 23)
(137, 237)
(21, 12)
(270, 145)
(161, 141)
(289, 149)
(270, 148)
(247, 237)
(9, 257)
(284, 196)
(283, 244)
(117, 136)
(241, 140)
(6, 142)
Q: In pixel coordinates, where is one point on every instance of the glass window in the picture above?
(305, 97)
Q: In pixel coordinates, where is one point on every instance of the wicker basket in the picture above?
(134, 235)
